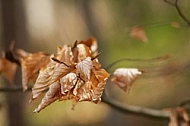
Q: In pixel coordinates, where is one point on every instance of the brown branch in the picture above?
(13, 89)
(136, 110)
(176, 5)
(184, 102)
(124, 108)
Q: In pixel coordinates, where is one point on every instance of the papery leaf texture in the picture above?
(31, 63)
(8, 69)
(124, 77)
(74, 73)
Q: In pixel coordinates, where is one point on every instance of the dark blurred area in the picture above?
(42, 25)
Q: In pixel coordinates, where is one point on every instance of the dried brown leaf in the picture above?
(173, 118)
(84, 67)
(124, 77)
(64, 54)
(138, 33)
(8, 69)
(84, 92)
(41, 83)
(51, 95)
(59, 71)
(97, 92)
(101, 76)
(91, 43)
(92, 89)
(179, 116)
(68, 82)
(31, 65)
(182, 113)
(83, 52)
(53, 71)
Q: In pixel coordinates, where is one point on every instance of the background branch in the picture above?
(136, 110)
(124, 108)
(176, 5)
(13, 89)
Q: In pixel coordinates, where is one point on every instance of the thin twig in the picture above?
(58, 61)
(169, 2)
(176, 5)
(181, 14)
(136, 110)
(127, 109)
(13, 89)
(139, 60)
(184, 102)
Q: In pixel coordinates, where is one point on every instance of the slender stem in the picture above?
(136, 110)
(176, 5)
(13, 89)
(180, 13)
(139, 60)
(58, 61)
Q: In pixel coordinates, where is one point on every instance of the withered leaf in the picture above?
(91, 43)
(138, 33)
(84, 92)
(52, 72)
(52, 95)
(41, 83)
(31, 63)
(83, 52)
(8, 69)
(84, 67)
(124, 77)
(68, 82)
(173, 118)
(179, 116)
(183, 113)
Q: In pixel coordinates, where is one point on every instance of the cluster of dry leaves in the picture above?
(74, 73)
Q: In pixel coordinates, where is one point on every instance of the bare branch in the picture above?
(161, 58)
(176, 5)
(13, 89)
(184, 102)
(127, 109)
(169, 2)
(136, 110)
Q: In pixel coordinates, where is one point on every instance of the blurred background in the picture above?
(42, 25)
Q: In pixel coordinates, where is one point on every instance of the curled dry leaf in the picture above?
(8, 69)
(173, 118)
(76, 73)
(84, 67)
(68, 82)
(52, 95)
(52, 73)
(31, 63)
(124, 77)
(9, 64)
(83, 52)
(43, 78)
(138, 33)
(91, 43)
